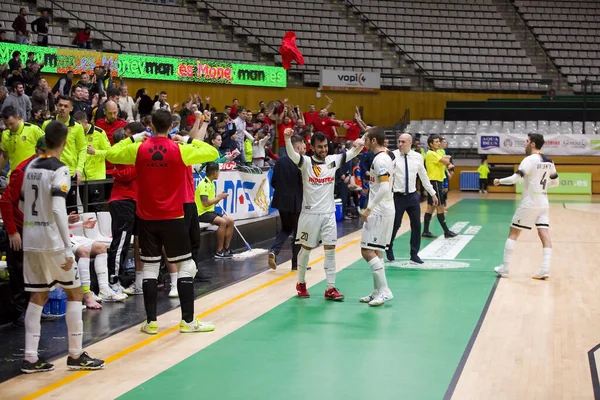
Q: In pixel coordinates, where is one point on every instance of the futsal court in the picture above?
(453, 329)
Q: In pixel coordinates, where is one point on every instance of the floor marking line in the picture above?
(76, 375)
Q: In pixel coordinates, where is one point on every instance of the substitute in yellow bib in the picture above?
(436, 171)
(95, 163)
(75, 153)
(18, 140)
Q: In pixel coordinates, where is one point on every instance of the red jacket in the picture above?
(9, 202)
(125, 184)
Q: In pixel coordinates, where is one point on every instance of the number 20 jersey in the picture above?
(44, 178)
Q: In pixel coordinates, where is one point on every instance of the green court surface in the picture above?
(313, 349)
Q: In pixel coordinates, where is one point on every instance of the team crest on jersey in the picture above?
(24, 138)
(90, 139)
(316, 169)
(64, 188)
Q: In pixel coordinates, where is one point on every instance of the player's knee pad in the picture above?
(151, 270)
(187, 269)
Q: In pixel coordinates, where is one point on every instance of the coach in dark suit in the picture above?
(407, 165)
(287, 182)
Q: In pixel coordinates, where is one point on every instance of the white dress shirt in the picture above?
(415, 167)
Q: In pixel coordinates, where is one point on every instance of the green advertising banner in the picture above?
(136, 66)
(570, 183)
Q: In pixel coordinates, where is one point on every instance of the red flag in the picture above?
(289, 52)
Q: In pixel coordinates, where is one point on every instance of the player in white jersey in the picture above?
(538, 174)
(317, 222)
(48, 259)
(378, 216)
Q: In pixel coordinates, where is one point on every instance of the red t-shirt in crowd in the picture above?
(281, 128)
(125, 184)
(326, 125)
(190, 120)
(353, 130)
(309, 118)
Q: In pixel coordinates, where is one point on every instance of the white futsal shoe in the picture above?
(173, 293)
(370, 297)
(542, 274)
(112, 296)
(382, 297)
(501, 271)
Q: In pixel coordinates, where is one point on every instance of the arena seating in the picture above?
(456, 40)
(568, 31)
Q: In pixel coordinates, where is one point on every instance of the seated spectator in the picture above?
(216, 140)
(84, 38)
(206, 199)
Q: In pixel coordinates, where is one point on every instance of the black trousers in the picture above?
(14, 263)
(95, 197)
(122, 213)
(193, 227)
(483, 184)
(289, 226)
(71, 199)
(410, 204)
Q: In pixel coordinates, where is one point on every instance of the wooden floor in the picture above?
(533, 343)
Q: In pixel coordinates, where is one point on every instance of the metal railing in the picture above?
(367, 21)
(55, 4)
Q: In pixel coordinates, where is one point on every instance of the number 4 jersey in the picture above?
(537, 170)
(44, 178)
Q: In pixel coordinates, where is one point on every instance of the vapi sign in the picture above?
(350, 80)
(136, 66)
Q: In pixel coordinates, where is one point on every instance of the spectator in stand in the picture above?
(352, 130)
(126, 103)
(299, 125)
(38, 115)
(285, 121)
(144, 103)
(233, 111)
(258, 148)
(84, 38)
(15, 69)
(31, 77)
(162, 102)
(216, 140)
(111, 121)
(261, 107)
(101, 80)
(19, 100)
(3, 95)
(63, 86)
(42, 97)
(20, 26)
(313, 114)
(41, 27)
(191, 118)
(326, 125)
(80, 103)
(241, 133)
(3, 38)
(85, 81)
(95, 164)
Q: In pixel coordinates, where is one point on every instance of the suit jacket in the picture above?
(287, 182)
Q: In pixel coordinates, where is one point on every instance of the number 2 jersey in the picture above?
(382, 170)
(318, 183)
(536, 170)
(44, 178)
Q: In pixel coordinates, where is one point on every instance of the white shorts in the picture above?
(377, 232)
(42, 271)
(526, 217)
(315, 229)
(77, 241)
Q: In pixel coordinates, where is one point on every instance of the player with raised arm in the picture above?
(48, 259)
(317, 222)
(378, 216)
(161, 166)
(538, 174)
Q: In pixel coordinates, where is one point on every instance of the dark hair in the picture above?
(16, 53)
(378, 134)
(162, 120)
(330, 114)
(163, 92)
(317, 137)
(64, 98)
(297, 139)
(119, 135)
(431, 138)
(9, 111)
(79, 116)
(211, 168)
(112, 92)
(135, 127)
(240, 109)
(56, 134)
(537, 139)
(17, 83)
(146, 120)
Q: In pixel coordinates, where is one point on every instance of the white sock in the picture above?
(101, 268)
(509, 247)
(379, 277)
(84, 271)
(546, 257)
(303, 256)
(173, 276)
(330, 268)
(139, 277)
(33, 328)
(75, 328)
